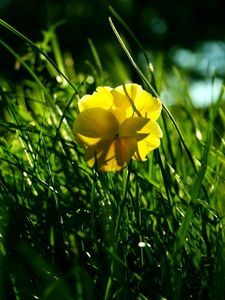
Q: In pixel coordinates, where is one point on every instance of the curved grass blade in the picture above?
(96, 56)
(140, 73)
(48, 98)
(35, 47)
(149, 64)
(155, 93)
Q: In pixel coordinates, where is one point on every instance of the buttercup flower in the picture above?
(117, 125)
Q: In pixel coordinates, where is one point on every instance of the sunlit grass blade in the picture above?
(149, 64)
(63, 114)
(154, 92)
(29, 69)
(96, 56)
(143, 77)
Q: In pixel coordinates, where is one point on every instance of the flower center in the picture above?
(116, 136)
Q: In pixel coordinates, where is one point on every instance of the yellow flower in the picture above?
(117, 125)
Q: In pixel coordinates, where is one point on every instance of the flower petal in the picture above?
(124, 95)
(146, 105)
(145, 147)
(132, 125)
(86, 141)
(101, 98)
(147, 142)
(125, 148)
(94, 124)
(111, 155)
(94, 153)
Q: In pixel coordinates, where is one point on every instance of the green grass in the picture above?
(153, 231)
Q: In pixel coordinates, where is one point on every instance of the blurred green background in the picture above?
(160, 25)
(189, 34)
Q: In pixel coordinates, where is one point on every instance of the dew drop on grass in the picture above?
(90, 79)
(143, 244)
(88, 254)
(59, 79)
(198, 134)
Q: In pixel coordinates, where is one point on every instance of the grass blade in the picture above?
(35, 47)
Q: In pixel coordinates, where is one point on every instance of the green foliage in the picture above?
(153, 231)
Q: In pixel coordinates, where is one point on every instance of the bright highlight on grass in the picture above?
(116, 125)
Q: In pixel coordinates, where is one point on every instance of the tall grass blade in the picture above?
(154, 92)
(35, 47)
(149, 64)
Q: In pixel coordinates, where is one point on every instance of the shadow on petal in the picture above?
(125, 148)
(102, 156)
(95, 123)
(111, 155)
